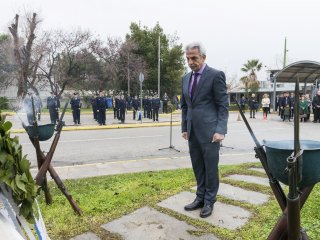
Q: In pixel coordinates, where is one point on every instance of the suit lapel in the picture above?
(186, 86)
(200, 83)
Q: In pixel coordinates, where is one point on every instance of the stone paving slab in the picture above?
(240, 194)
(149, 224)
(86, 236)
(224, 215)
(249, 179)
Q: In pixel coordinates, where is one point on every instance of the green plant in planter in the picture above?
(15, 171)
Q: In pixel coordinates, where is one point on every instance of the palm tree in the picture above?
(250, 80)
(252, 66)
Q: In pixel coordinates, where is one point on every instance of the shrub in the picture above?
(4, 103)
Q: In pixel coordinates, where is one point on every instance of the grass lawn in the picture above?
(103, 199)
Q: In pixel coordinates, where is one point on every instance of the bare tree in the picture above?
(23, 52)
(73, 52)
(64, 52)
(231, 82)
(130, 65)
(108, 55)
(52, 46)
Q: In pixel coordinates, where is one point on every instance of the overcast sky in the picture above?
(232, 31)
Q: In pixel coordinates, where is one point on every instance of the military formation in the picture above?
(148, 107)
(151, 105)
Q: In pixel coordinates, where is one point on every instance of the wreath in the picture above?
(15, 171)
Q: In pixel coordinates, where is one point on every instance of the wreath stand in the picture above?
(42, 133)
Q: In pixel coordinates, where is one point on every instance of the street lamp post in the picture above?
(141, 78)
(159, 67)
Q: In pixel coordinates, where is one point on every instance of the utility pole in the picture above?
(159, 66)
(285, 53)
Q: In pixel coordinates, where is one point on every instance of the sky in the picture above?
(232, 31)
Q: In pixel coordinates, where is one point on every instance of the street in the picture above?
(109, 145)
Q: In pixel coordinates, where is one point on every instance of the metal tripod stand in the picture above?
(170, 146)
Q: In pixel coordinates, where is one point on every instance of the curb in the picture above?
(111, 126)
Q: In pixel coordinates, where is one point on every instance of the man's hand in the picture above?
(217, 137)
(185, 135)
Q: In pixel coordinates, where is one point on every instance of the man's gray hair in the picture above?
(198, 46)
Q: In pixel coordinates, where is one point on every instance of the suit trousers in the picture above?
(205, 159)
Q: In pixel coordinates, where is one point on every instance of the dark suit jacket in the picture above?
(208, 112)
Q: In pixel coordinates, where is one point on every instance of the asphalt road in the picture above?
(98, 146)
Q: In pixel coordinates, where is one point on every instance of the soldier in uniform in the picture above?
(101, 108)
(115, 104)
(76, 106)
(149, 107)
(94, 106)
(165, 100)
(129, 102)
(144, 104)
(155, 108)
(122, 108)
(53, 104)
(135, 106)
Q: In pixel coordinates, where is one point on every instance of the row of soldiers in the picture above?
(100, 103)
(120, 104)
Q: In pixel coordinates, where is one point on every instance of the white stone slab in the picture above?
(149, 224)
(224, 215)
(240, 194)
(249, 179)
(86, 236)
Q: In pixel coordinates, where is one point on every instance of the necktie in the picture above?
(194, 84)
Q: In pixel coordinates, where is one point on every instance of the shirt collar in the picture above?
(201, 69)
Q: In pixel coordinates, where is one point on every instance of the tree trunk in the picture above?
(22, 54)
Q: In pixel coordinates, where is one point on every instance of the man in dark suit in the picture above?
(285, 102)
(204, 104)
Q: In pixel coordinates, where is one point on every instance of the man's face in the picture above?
(318, 93)
(195, 59)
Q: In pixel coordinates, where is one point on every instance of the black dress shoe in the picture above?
(206, 211)
(196, 204)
